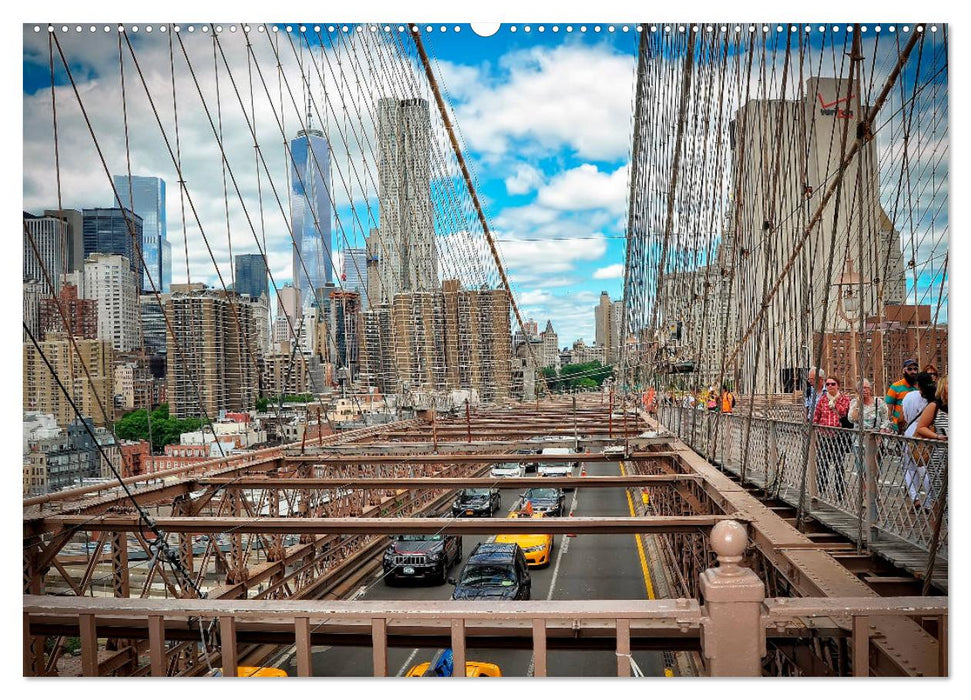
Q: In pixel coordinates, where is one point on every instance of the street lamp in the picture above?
(848, 308)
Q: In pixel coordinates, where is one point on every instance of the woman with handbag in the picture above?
(933, 425)
(917, 454)
(832, 410)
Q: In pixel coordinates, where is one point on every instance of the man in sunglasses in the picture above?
(897, 391)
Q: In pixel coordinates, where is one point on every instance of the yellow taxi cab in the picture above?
(473, 669)
(256, 672)
(537, 548)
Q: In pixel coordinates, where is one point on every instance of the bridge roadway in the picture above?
(584, 567)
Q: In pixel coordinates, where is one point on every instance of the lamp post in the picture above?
(848, 308)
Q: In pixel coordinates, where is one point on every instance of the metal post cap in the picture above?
(729, 539)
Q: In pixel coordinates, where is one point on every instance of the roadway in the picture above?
(586, 567)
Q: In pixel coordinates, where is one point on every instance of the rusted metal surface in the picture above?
(428, 482)
(486, 458)
(389, 526)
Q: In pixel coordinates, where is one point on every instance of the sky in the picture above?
(545, 118)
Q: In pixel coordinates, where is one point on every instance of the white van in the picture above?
(556, 468)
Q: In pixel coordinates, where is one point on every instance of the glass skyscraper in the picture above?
(250, 275)
(354, 277)
(146, 197)
(106, 231)
(310, 209)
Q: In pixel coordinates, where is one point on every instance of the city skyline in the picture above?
(560, 249)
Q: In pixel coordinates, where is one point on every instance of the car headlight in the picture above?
(537, 548)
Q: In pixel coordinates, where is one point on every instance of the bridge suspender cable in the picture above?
(475, 201)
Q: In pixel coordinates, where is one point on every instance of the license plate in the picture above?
(468, 512)
(409, 570)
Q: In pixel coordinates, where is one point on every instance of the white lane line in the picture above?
(564, 546)
(407, 664)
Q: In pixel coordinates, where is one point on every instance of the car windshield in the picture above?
(419, 538)
(539, 493)
(489, 576)
(475, 493)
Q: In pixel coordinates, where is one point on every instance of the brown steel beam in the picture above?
(435, 482)
(446, 458)
(389, 526)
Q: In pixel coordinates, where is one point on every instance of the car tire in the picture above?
(442, 575)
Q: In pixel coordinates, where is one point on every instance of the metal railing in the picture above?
(880, 490)
(730, 627)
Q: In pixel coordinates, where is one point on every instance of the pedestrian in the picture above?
(896, 392)
(727, 399)
(933, 425)
(915, 458)
(832, 410)
(712, 402)
(813, 390)
(869, 411)
(915, 401)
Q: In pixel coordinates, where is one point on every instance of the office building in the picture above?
(251, 277)
(146, 197)
(354, 277)
(608, 316)
(75, 237)
(115, 232)
(153, 323)
(310, 211)
(45, 245)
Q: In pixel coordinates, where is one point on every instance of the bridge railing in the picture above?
(729, 627)
(878, 489)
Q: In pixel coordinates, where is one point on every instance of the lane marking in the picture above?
(637, 538)
(564, 546)
(407, 664)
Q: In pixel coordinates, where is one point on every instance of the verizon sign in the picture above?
(832, 109)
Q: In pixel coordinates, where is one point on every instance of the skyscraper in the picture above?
(115, 232)
(75, 236)
(109, 280)
(354, 277)
(49, 236)
(407, 258)
(215, 366)
(310, 205)
(146, 197)
(251, 275)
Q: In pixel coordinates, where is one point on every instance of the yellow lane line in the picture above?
(640, 545)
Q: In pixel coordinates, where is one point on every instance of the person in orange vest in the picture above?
(650, 400)
(727, 399)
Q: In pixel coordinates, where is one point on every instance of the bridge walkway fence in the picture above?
(729, 626)
(884, 492)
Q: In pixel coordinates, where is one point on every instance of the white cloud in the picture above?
(586, 187)
(546, 257)
(571, 95)
(610, 272)
(524, 179)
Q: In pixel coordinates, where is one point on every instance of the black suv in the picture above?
(476, 502)
(493, 571)
(425, 557)
(544, 500)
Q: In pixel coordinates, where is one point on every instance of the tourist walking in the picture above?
(896, 392)
(932, 425)
(869, 411)
(915, 458)
(832, 411)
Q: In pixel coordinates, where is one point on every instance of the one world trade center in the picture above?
(310, 211)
